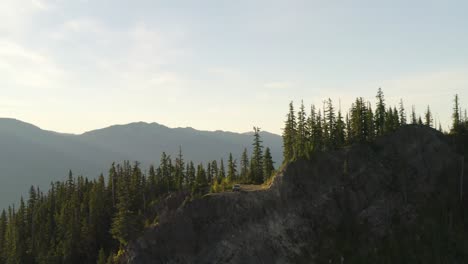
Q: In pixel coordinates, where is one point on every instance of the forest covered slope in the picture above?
(30, 156)
(396, 200)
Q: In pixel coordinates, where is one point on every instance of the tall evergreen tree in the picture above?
(222, 171)
(369, 123)
(201, 183)
(244, 163)
(191, 175)
(3, 230)
(232, 169)
(330, 124)
(340, 135)
(414, 120)
(124, 224)
(289, 134)
(402, 113)
(318, 138)
(209, 174)
(396, 118)
(311, 123)
(358, 121)
(215, 171)
(302, 133)
(348, 130)
(380, 113)
(268, 164)
(428, 120)
(256, 163)
(179, 170)
(456, 118)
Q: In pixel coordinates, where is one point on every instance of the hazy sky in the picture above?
(73, 66)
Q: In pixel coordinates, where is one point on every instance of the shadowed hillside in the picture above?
(368, 203)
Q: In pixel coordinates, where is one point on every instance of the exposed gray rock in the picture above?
(313, 209)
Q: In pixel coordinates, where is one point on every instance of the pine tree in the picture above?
(124, 224)
(179, 170)
(318, 138)
(244, 163)
(358, 121)
(349, 137)
(456, 119)
(209, 174)
(402, 113)
(380, 113)
(21, 234)
(428, 117)
(268, 164)
(10, 238)
(396, 118)
(191, 175)
(369, 123)
(222, 171)
(215, 171)
(136, 187)
(201, 182)
(391, 120)
(311, 124)
(232, 169)
(340, 135)
(289, 134)
(30, 223)
(330, 124)
(3, 230)
(99, 213)
(256, 164)
(302, 133)
(414, 120)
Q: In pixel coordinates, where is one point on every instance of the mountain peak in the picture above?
(12, 123)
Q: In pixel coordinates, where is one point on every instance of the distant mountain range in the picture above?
(32, 156)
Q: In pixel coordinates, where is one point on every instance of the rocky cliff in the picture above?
(396, 200)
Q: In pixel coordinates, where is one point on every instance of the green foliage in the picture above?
(380, 113)
(232, 169)
(414, 120)
(289, 134)
(102, 259)
(256, 163)
(88, 221)
(244, 163)
(201, 182)
(428, 120)
(305, 134)
(300, 142)
(268, 164)
(402, 113)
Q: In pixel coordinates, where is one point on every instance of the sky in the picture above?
(73, 66)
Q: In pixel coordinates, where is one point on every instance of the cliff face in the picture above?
(396, 200)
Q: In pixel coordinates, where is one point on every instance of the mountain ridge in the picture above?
(34, 156)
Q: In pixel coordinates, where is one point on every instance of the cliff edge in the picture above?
(396, 200)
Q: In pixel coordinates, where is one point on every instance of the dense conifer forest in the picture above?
(84, 220)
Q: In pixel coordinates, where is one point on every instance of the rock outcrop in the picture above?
(368, 203)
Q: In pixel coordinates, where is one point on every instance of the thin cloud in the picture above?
(26, 67)
(278, 85)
